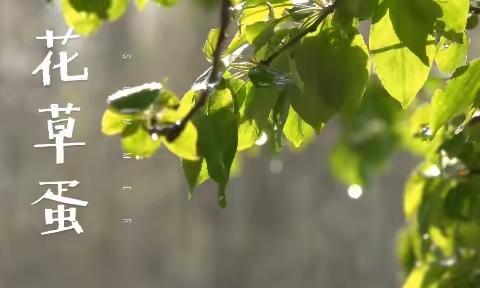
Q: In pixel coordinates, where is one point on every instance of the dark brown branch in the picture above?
(474, 120)
(172, 131)
(474, 9)
(323, 14)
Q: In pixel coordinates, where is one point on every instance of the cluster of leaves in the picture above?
(291, 66)
(440, 246)
(86, 16)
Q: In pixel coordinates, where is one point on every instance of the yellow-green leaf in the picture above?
(114, 123)
(416, 277)
(456, 97)
(403, 47)
(454, 15)
(185, 145)
(296, 130)
(141, 4)
(451, 54)
(211, 43)
(137, 141)
(326, 61)
(86, 16)
(196, 173)
(413, 195)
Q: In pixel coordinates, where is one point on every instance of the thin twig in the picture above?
(325, 12)
(474, 9)
(172, 131)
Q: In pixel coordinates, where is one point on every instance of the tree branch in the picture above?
(172, 131)
(474, 9)
(323, 14)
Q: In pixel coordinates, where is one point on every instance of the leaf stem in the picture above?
(474, 9)
(323, 14)
(172, 131)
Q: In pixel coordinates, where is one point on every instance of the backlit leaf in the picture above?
(450, 54)
(457, 95)
(138, 142)
(136, 99)
(334, 66)
(402, 46)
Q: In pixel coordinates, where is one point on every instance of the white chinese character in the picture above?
(61, 216)
(60, 129)
(46, 64)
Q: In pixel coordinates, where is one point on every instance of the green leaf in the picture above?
(137, 141)
(237, 164)
(326, 61)
(406, 249)
(454, 15)
(211, 44)
(260, 104)
(236, 44)
(472, 22)
(141, 4)
(196, 173)
(443, 239)
(413, 195)
(263, 76)
(276, 122)
(431, 209)
(217, 142)
(86, 16)
(292, 67)
(402, 46)
(450, 54)
(166, 3)
(136, 99)
(415, 126)
(259, 33)
(124, 117)
(416, 277)
(457, 96)
(248, 133)
(185, 145)
(469, 234)
(460, 202)
(256, 12)
(218, 135)
(114, 123)
(362, 9)
(296, 130)
(186, 103)
(242, 97)
(221, 99)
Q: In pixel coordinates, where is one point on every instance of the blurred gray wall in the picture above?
(295, 228)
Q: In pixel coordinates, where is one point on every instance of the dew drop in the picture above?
(262, 140)
(426, 133)
(432, 171)
(355, 191)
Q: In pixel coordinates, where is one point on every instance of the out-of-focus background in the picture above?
(288, 224)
